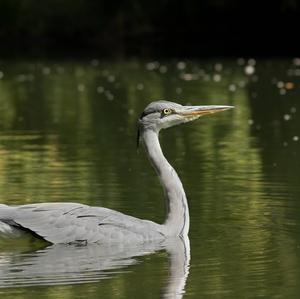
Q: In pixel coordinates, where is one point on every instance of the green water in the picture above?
(68, 133)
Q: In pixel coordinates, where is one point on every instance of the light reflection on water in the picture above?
(67, 133)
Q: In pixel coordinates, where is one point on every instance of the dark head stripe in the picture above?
(143, 114)
(147, 112)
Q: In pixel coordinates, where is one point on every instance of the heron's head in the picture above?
(164, 114)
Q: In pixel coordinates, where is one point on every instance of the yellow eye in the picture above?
(167, 111)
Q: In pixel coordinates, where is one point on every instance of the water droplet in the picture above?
(286, 117)
(95, 62)
(280, 84)
(206, 78)
(252, 61)
(293, 110)
(111, 78)
(189, 77)
(242, 84)
(296, 61)
(150, 66)
(285, 144)
(181, 65)
(232, 87)
(218, 67)
(46, 71)
(217, 77)
(81, 87)
(109, 95)
(282, 91)
(250, 122)
(140, 86)
(295, 138)
(249, 70)
(130, 111)
(163, 69)
(289, 85)
(100, 89)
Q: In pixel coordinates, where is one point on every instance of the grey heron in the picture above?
(75, 222)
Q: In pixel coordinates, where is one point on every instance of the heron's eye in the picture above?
(167, 111)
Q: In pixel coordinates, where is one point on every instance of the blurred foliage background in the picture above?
(158, 27)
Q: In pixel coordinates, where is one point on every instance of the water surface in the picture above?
(68, 133)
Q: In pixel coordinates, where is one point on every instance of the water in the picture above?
(68, 133)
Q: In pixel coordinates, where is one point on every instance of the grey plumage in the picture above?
(74, 222)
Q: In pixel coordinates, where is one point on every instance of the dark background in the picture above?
(179, 28)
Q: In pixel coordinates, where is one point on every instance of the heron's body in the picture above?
(74, 222)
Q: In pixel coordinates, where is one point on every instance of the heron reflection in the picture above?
(62, 264)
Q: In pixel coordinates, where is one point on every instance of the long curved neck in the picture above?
(178, 221)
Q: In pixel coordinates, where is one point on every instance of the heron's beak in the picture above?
(193, 112)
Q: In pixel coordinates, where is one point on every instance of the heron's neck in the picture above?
(178, 221)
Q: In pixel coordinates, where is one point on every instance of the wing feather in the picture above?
(72, 222)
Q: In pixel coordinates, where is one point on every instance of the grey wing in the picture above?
(54, 222)
(72, 222)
